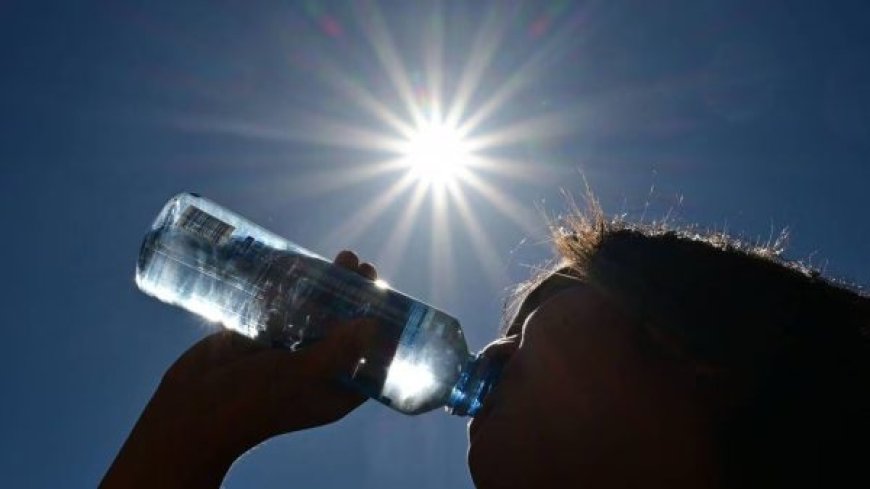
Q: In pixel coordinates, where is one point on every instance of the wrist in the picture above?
(172, 446)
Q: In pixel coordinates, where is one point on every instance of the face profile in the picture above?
(580, 401)
(662, 359)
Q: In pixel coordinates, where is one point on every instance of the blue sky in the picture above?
(745, 116)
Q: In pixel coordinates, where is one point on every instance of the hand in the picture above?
(226, 394)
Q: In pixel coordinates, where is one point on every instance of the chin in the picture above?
(489, 477)
(493, 467)
(498, 478)
(481, 464)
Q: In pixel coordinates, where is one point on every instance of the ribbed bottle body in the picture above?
(210, 261)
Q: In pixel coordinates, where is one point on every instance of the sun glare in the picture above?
(442, 132)
(436, 153)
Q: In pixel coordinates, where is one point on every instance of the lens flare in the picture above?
(440, 128)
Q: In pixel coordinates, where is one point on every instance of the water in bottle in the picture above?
(210, 261)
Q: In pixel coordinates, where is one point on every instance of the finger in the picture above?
(299, 389)
(368, 271)
(336, 355)
(304, 376)
(324, 361)
(347, 259)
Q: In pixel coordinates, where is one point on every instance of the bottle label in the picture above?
(205, 225)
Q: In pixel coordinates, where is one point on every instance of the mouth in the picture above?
(473, 428)
(474, 425)
(500, 355)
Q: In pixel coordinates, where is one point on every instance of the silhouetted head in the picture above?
(662, 358)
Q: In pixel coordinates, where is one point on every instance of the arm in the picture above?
(227, 394)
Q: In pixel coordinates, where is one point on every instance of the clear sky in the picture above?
(746, 116)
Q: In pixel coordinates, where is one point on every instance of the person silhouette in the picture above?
(643, 357)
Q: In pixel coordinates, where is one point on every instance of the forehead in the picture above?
(556, 282)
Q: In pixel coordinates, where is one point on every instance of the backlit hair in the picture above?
(796, 344)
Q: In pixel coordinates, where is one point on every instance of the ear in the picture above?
(722, 391)
(718, 388)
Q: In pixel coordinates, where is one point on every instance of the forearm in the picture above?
(226, 395)
(169, 448)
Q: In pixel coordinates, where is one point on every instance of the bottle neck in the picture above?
(478, 377)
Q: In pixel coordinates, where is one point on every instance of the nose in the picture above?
(502, 349)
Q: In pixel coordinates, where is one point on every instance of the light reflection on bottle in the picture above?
(407, 380)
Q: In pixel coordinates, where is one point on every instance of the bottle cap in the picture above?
(478, 377)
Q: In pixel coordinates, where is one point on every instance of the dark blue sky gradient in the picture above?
(747, 116)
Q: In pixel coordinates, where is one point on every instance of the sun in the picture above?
(436, 153)
(443, 135)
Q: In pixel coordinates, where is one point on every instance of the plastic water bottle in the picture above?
(212, 262)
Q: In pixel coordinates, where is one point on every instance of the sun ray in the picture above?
(363, 98)
(375, 30)
(548, 126)
(339, 134)
(506, 167)
(516, 213)
(484, 249)
(517, 81)
(358, 222)
(316, 129)
(317, 183)
(433, 57)
(481, 54)
(441, 274)
(393, 252)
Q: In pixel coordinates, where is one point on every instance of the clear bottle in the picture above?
(212, 262)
